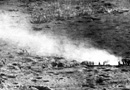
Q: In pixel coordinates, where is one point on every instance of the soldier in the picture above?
(99, 64)
(123, 61)
(119, 63)
(126, 61)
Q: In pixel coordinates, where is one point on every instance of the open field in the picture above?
(49, 44)
(21, 71)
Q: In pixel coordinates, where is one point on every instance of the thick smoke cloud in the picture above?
(15, 28)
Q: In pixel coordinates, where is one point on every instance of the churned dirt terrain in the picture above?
(64, 45)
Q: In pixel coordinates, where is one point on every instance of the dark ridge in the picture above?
(41, 88)
(45, 80)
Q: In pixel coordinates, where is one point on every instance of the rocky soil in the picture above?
(20, 70)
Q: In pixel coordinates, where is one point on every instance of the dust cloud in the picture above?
(15, 28)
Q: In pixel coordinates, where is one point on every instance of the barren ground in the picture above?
(20, 70)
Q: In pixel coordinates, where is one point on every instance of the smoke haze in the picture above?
(15, 28)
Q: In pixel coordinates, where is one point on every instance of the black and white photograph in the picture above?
(64, 44)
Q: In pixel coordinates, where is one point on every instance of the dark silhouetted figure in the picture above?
(126, 61)
(119, 63)
(99, 64)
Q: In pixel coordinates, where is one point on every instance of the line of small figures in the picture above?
(90, 63)
(122, 62)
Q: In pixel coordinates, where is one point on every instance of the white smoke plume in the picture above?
(15, 28)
